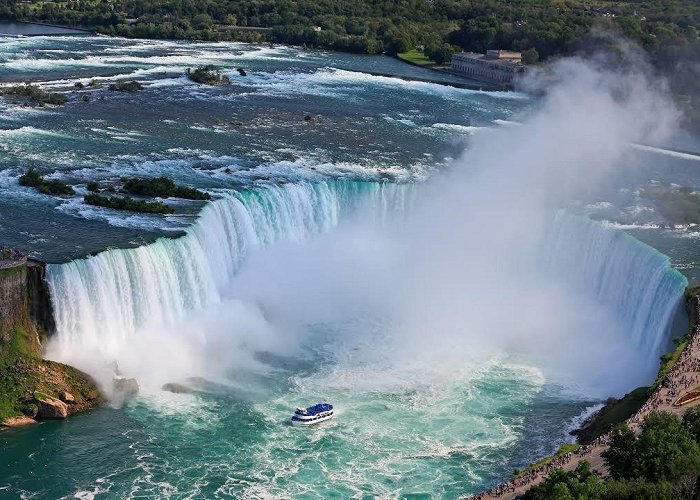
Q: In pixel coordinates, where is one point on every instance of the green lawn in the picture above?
(415, 57)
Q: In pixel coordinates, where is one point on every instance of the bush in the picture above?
(93, 186)
(127, 203)
(440, 53)
(131, 86)
(530, 56)
(35, 94)
(162, 186)
(54, 187)
(31, 178)
(207, 75)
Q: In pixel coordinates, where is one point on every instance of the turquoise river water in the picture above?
(283, 291)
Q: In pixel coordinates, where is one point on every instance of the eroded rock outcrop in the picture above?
(50, 407)
(31, 387)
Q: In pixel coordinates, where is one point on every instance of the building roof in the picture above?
(505, 61)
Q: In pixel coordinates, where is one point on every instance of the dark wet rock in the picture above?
(176, 388)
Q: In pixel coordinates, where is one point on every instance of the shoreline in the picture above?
(467, 84)
(445, 69)
(654, 400)
(69, 29)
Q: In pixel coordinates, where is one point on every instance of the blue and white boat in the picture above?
(312, 415)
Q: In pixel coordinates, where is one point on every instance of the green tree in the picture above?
(440, 53)
(620, 456)
(636, 490)
(691, 421)
(531, 56)
(202, 21)
(662, 445)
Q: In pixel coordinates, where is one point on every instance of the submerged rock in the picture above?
(176, 388)
(17, 421)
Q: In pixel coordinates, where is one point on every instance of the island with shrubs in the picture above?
(158, 187)
(34, 94)
(128, 203)
(54, 187)
(207, 75)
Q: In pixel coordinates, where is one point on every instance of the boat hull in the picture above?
(309, 423)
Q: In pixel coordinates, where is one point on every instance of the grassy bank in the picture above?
(613, 413)
(417, 58)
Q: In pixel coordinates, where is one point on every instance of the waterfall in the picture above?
(103, 299)
(629, 277)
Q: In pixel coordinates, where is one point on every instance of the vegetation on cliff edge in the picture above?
(661, 463)
(613, 413)
(23, 372)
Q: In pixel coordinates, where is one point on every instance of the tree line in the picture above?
(548, 26)
(662, 462)
(667, 29)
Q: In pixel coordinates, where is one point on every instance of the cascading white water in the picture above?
(102, 300)
(629, 277)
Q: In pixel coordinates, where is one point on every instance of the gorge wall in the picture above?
(13, 298)
(31, 387)
(25, 298)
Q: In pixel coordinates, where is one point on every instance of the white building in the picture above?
(500, 67)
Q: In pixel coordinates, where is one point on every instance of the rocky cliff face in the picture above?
(31, 387)
(40, 306)
(13, 298)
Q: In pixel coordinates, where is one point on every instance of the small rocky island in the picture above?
(33, 388)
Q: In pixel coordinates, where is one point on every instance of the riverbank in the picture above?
(27, 28)
(673, 382)
(33, 388)
(466, 84)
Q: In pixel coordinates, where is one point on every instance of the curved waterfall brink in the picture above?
(633, 279)
(101, 301)
(104, 298)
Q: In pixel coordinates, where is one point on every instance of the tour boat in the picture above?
(313, 414)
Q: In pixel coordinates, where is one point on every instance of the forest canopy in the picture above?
(549, 26)
(666, 29)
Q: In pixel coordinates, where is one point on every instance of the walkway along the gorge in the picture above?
(683, 377)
